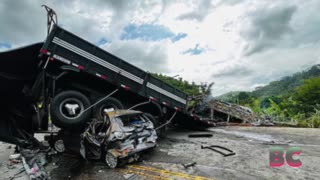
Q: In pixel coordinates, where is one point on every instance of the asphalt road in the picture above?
(251, 161)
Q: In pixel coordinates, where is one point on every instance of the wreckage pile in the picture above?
(120, 138)
(246, 115)
(233, 110)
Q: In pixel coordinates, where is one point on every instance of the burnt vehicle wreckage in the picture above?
(85, 92)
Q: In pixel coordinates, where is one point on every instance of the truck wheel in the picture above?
(66, 108)
(107, 104)
(154, 121)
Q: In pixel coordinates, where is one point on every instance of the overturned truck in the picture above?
(67, 81)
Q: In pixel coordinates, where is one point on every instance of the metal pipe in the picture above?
(98, 101)
(140, 104)
(167, 121)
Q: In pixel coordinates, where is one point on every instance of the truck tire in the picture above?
(108, 103)
(66, 108)
(154, 121)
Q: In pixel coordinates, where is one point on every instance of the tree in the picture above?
(307, 95)
(243, 98)
(314, 119)
(205, 89)
(191, 89)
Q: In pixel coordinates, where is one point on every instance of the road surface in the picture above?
(251, 145)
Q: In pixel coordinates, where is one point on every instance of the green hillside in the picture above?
(276, 88)
(287, 84)
(229, 97)
(293, 98)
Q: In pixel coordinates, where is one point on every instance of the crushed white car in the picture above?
(120, 138)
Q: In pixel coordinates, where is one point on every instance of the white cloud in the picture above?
(201, 8)
(150, 56)
(245, 43)
(266, 26)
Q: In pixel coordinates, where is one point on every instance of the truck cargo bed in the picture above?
(71, 49)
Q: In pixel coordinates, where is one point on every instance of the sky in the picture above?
(237, 44)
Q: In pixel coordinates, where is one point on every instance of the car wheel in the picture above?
(107, 104)
(59, 146)
(154, 122)
(111, 160)
(67, 109)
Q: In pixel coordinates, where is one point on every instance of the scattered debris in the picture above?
(14, 156)
(33, 172)
(216, 147)
(18, 173)
(189, 165)
(199, 135)
(233, 124)
(15, 161)
(264, 121)
(277, 143)
(130, 176)
(286, 124)
(33, 160)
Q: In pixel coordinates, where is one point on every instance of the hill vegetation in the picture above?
(192, 89)
(293, 98)
(196, 91)
(287, 84)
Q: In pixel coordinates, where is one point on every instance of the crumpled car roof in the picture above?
(118, 113)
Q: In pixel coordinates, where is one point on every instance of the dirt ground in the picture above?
(251, 145)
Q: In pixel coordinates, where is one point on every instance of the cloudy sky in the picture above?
(238, 44)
